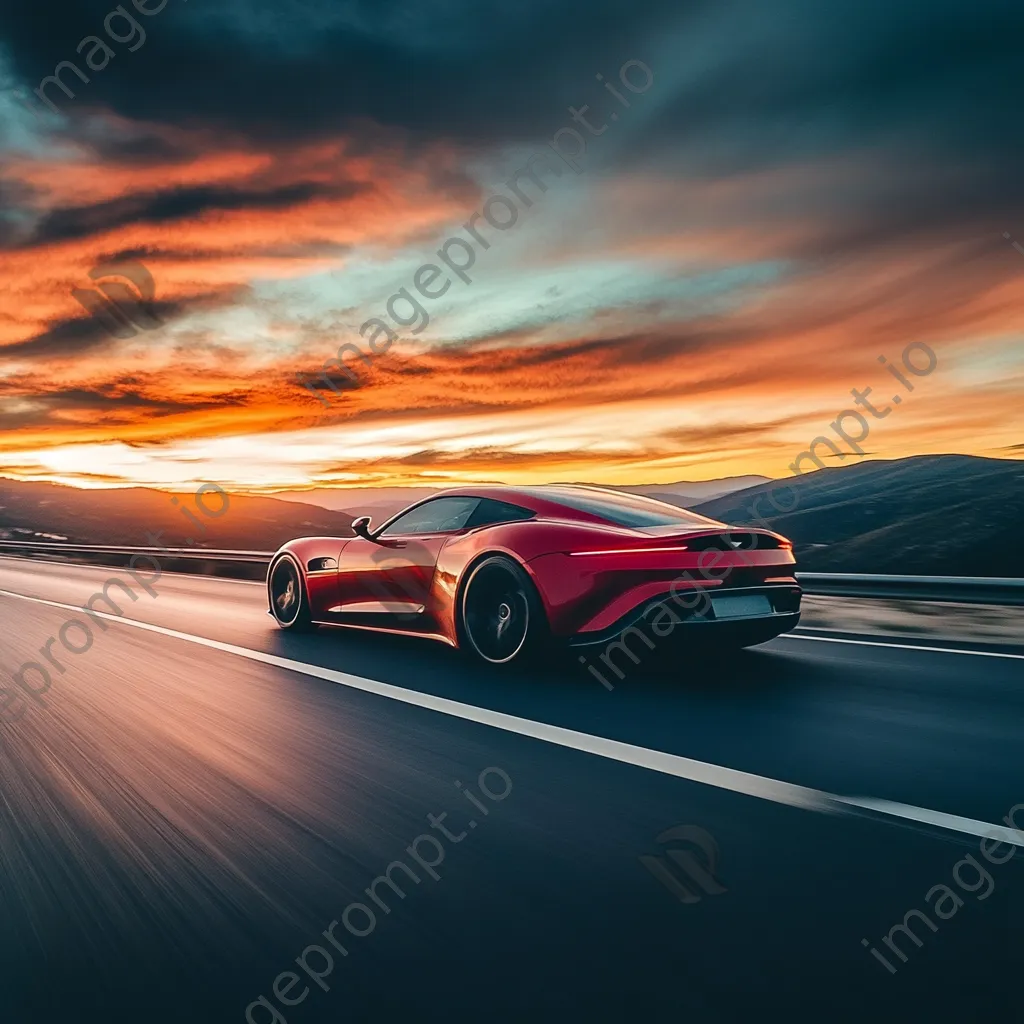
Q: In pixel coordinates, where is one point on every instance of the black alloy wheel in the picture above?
(288, 600)
(501, 615)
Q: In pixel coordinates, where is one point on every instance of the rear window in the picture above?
(624, 509)
(491, 511)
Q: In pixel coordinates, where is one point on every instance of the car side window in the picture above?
(440, 515)
(490, 511)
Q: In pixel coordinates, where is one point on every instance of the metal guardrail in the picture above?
(253, 565)
(961, 589)
(117, 549)
(247, 565)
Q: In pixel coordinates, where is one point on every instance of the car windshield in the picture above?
(438, 515)
(624, 509)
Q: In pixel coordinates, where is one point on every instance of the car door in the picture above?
(389, 578)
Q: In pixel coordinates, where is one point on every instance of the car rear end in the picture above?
(713, 582)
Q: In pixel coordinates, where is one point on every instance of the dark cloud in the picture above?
(89, 335)
(928, 93)
(176, 204)
(171, 253)
(15, 200)
(66, 338)
(726, 433)
(783, 77)
(892, 128)
(111, 404)
(110, 398)
(135, 145)
(487, 458)
(293, 67)
(801, 77)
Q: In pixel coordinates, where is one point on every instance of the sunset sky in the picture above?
(803, 187)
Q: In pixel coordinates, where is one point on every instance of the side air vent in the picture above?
(321, 564)
(735, 540)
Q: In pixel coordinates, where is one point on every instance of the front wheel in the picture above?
(289, 601)
(501, 617)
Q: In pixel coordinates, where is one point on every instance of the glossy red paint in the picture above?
(592, 576)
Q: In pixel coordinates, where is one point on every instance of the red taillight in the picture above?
(786, 545)
(630, 551)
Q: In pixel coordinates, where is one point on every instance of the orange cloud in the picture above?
(244, 215)
(629, 393)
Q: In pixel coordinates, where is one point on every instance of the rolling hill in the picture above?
(953, 515)
(45, 511)
(382, 502)
(932, 515)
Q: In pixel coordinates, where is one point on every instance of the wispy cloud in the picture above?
(829, 185)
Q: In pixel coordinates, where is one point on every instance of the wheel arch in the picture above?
(467, 571)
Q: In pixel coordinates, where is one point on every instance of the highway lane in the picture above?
(934, 730)
(178, 823)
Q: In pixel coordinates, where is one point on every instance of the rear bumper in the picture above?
(692, 615)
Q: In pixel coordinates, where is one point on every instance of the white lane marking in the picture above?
(969, 826)
(718, 776)
(902, 647)
(669, 764)
(211, 579)
(171, 576)
(122, 568)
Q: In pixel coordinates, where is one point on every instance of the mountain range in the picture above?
(954, 515)
(943, 515)
(46, 511)
(382, 502)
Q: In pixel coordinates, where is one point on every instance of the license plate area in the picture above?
(740, 606)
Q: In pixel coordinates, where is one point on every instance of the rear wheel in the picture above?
(289, 601)
(501, 617)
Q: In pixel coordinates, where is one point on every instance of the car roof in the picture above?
(544, 499)
(534, 498)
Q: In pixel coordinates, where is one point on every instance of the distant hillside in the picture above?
(685, 493)
(361, 500)
(383, 502)
(123, 516)
(931, 515)
(950, 515)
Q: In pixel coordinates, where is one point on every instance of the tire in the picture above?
(289, 602)
(501, 619)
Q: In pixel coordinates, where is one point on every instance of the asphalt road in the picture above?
(197, 797)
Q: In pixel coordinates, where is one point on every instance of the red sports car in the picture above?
(503, 571)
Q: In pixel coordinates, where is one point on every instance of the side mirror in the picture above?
(361, 527)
